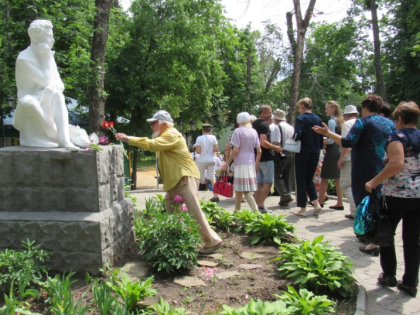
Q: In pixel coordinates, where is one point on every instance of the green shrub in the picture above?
(306, 303)
(14, 264)
(132, 292)
(170, 241)
(60, 296)
(23, 282)
(140, 224)
(154, 205)
(332, 191)
(316, 266)
(13, 306)
(267, 226)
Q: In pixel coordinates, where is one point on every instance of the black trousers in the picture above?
(305, 166)
(407, 209)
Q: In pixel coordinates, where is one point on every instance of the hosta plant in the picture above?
(243, 217)
(258, 308)
(267, 226)
(218, 216)
(226, 220)
(306, 303)
(164, 308)
(316, 266)
(171, 241)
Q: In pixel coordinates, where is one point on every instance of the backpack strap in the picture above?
(281, 135)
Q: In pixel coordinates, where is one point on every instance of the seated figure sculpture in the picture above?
(41, 115)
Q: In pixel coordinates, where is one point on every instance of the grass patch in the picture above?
(145, 163)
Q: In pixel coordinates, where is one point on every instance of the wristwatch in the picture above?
(128, 139)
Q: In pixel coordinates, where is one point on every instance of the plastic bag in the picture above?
(78, 136)
(94, 138)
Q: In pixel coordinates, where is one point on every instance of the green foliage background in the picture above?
(186, 57)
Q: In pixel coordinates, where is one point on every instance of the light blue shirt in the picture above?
(332, 125)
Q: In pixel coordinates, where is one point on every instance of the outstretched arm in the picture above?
(326, 132)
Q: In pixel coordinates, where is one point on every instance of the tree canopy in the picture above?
(186, 57)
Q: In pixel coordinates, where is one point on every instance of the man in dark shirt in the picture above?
(265, 175)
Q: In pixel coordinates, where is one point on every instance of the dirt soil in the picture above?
(146, 178)
(261, 283)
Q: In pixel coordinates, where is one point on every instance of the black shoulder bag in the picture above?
(279, 156)
(379, 230)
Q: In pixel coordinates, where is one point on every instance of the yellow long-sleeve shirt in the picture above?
(174, 159)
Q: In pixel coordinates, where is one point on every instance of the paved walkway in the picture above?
(339, 232)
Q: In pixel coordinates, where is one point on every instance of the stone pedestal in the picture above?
(72, 203)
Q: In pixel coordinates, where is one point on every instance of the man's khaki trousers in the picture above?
(187, 187)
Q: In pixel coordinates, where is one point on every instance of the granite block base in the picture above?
(81, 241)
(71, 203)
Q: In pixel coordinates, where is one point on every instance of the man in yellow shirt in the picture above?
(177, 170)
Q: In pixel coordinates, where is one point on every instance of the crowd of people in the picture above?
(385, 156)
(359, 154)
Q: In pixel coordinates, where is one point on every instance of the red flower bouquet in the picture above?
(109, 125)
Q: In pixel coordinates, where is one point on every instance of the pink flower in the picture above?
(178, 198)
(209, 272)
(184, 208)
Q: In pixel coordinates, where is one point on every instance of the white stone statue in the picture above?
(41, 115)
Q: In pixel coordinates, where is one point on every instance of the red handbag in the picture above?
(223, 187)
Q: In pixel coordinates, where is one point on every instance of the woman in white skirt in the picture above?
(245, 142)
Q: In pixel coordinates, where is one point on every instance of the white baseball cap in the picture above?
(160, 115)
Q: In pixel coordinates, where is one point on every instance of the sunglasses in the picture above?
(153, 123)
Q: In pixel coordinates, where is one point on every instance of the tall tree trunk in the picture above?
(377, 48)
(134, 173)
(96, 89)
(248, 82)
(297, 48)
(273, 75)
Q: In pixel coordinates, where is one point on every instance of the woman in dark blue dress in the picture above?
(367, 138)
(307, 159)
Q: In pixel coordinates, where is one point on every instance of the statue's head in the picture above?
(40, 31)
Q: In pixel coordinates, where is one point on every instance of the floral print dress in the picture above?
(405, 184)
